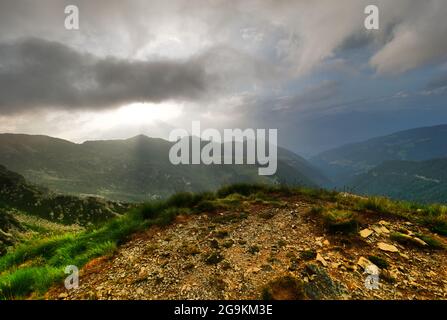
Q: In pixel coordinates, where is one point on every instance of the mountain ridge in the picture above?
(343, 163)
(134, 169)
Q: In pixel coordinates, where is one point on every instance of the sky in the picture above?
(308, 68)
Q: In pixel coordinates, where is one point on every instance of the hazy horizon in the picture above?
(309, 69)
(307, 156)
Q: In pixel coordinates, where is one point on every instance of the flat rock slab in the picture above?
(387, 247)
(365, 233)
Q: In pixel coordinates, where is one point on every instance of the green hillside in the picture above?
(423, 181)
(9, 228)
(16, 194)
(342, 164)
(136, 169)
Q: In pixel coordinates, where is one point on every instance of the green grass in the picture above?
(243, 189)
(433, 216)
(189, 200)
(340, 221)
(32, 267)
(406, 239)
(432, 242)
(376, 204)
(24, 281)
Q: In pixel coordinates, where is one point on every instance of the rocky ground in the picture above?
(268, 251)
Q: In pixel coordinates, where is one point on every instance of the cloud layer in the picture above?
(270, 63)
(36, 73)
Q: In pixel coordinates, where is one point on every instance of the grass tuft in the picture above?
(431, 241)
(341, 221)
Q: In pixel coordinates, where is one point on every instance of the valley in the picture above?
(280, 238)
(133, 170)
(223, 150)
(407, 165)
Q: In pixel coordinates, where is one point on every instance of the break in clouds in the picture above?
(299, 66)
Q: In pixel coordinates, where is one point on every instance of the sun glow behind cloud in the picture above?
(136, 114)
(148, 112)
(124, 122)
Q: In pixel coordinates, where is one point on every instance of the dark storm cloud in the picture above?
(257, 62)
(38, 73)
(311, 98)
(438, 82)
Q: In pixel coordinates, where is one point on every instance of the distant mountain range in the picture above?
(135, 169)
(342, 164)
(410, 165)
